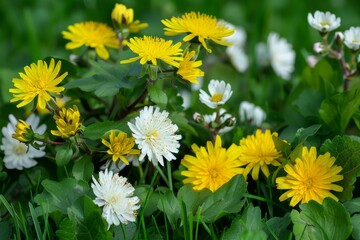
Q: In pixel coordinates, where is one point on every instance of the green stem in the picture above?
(168, 167)
(163, 175)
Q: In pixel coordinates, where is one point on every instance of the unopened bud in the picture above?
(198, 118)
(23, 132)
(339, 37)
(319, 48)
(230, 122)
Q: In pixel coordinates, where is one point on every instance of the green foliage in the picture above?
(328, 220)
(346, 150)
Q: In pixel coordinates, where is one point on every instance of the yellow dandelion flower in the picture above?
(311, 178)
(211, 167)
(123, 17)
(67, 122)
(120, 146)
(257, 152)
(188, 69)
(39, 81)
(93, 35)
(23, 132)
(151, 49)
(200, 26)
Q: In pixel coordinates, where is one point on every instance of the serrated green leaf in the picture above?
(192, 199)
(278, 226)
(170, 205)
(63, 154)
(304, 133)
(355, 220)
(347, 154)
(67, 230)
(337, 110)
(157, 96)
(224, 200)
(327, 221)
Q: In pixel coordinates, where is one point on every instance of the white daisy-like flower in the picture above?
(116, 196)
(238, 38)
(155, 135)
(282, 56)
(251, 113)
(208, 119)
(323, 22)
(220, 92)
(18, 155)
(352, 38)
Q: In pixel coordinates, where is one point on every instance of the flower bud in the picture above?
(23, 132)
(319, 48)
(339, 36)
(198, 118)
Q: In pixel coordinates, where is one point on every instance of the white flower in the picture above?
(17, 154)
(251, 113)
(117, 166)
(115, 195)
(238, 58)
(352, 38)
(219, 91)
(282, 57)
(208, 119)
(324, 22)
(238, 38)
(155, 136)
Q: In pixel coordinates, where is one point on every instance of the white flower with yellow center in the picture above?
(323, 22)
(116, 196)
(18, 155)
(352, 38)
(220, 92)
(155, 135)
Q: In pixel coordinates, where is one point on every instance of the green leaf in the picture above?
(247, 235)
(224, 200)
(67, 229)
(63, 154)
(158, 96)
(248, 223)
(83, 168)
(192, 199)
(355, 220)
(337, 110)
(61, 195)
(278, 226)
(148, 198)
(106, 79)
(97, 130)
(352, 206)
(169, 204)
(304, 133)
(327, 221)
(125, 231)
(182, 123)
(346, 150)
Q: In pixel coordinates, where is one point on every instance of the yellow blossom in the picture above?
(39, 81)
(310, 178)
(123, 17)
(119, 146)
(151, 49)
(211, 167)
(257, 152)
(200, 26)
(91, 34)
(188, 68)
(67, 122)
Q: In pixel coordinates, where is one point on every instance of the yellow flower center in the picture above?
(20, 149)
(214, 173)
(152, 135)
(355, 41)
(117, 148)
(324, 24)
(217, 97)
(308, 184)
(113, 199)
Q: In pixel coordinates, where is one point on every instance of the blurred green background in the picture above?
(31, 29)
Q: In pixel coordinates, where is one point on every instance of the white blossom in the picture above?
(208, 119)
(323, 22)
(352, 38)
(116, 196)
(251, 113)
(18, 155)
(155, 135)
(220, 92)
